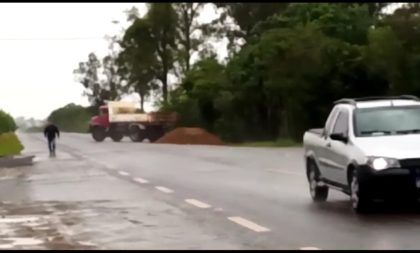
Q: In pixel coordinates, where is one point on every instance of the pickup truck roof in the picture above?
(369, 102)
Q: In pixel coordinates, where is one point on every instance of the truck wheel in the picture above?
(99, 134)
(360, 200)
(318, 193)
(116, 136)
(155, 133)
(136, 134)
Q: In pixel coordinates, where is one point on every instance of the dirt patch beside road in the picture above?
(185, 135)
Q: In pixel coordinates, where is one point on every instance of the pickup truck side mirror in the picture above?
(339, 137)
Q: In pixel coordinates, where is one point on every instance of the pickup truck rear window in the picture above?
(387, 121)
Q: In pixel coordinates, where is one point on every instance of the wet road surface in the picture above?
(148, 196)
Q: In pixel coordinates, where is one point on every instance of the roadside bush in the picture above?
(10, 144)
(7, 123)
(71, 118)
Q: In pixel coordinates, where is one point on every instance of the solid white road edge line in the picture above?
(123, 173)
(248, 224)
(197, 203)
(140, 180)
(164, 189)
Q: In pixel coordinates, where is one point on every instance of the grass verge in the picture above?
(10, 144)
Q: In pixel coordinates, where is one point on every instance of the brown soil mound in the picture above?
(184, 135)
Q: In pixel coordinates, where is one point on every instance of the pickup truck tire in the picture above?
(98, 134)
(318, 193)
(359, 197)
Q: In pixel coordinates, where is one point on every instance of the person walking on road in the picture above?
(51, 132)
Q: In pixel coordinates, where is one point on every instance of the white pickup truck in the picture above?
(368, 149)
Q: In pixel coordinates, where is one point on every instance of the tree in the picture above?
(186, 28)
(132, 13)
(162, 20)
(385, 55)
(204, 83)
(269, 77)
(245, 16)
(7, 123)
(296, 59)
(349, 22)
(394, 50)
(137, 60)
(71, 118)
(100, 80)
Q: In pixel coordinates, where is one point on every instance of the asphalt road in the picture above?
(246, 198)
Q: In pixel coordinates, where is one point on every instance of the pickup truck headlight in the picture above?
(382, 163)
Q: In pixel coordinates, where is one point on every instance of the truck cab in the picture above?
(369, 149)
(102, 119)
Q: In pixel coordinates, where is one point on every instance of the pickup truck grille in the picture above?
(410, 163)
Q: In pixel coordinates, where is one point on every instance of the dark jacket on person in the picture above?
(51, 131)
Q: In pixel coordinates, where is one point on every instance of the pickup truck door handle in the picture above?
(329, 145)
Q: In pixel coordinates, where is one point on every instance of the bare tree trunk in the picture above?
(284, 123)
(141, 101)
(165, 84)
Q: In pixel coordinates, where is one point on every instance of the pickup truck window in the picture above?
(341, 124)
(387, 121)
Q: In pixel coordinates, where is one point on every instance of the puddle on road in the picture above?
(18, 219)
(7, 246)
(37, 226)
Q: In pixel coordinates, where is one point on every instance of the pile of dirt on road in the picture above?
(185, 135)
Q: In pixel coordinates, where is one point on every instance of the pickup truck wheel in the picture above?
(98, 134)
(318, 193)
(360, 202)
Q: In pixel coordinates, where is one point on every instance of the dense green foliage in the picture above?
(287, 62)
(9, 144)
(7, 123)
(72, 118)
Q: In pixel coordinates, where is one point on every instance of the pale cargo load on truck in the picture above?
(120, 118)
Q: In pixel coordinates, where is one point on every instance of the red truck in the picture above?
(119, 119)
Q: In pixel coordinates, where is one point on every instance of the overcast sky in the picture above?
(41, 44)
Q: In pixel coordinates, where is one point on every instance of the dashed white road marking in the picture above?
(123, 173)
(197, 203)
(164, 189)
(309, 248)
(286, 172)
(248, 224)
(140, 180)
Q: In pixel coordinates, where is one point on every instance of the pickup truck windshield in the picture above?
(387, 121)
